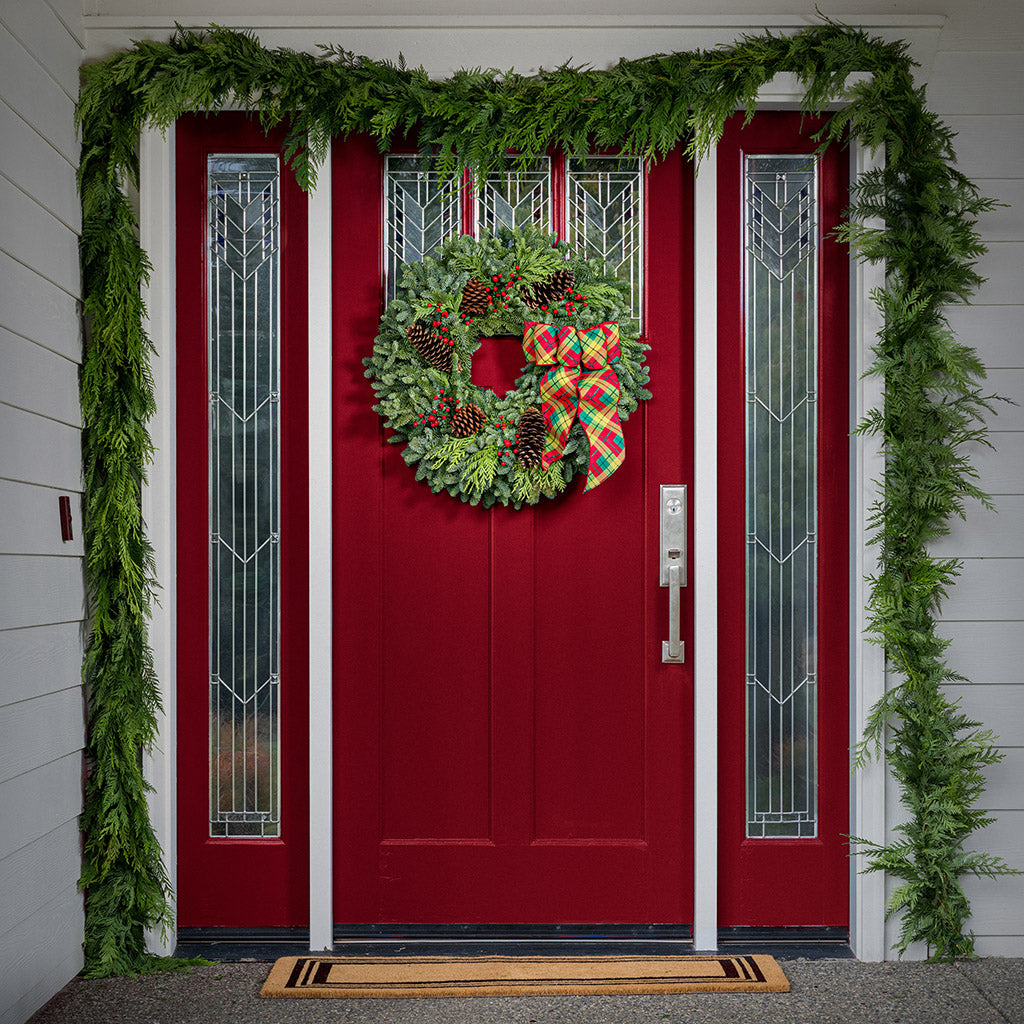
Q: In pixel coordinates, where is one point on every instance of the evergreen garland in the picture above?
(933, 404)
(485, 470)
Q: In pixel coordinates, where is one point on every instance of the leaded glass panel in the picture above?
(516, 197)
(780, 217)
(605, 204)
(421, 212)
(243, 238)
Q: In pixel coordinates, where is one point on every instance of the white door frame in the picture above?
(867, 666)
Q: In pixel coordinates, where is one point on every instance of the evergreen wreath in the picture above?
(933, 408)
(477, 445)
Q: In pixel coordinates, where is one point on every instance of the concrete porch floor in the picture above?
(987, 991)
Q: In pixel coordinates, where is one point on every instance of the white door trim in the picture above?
(159, 495)
(321, 734)
(705, 555)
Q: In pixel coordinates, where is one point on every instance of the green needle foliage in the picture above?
(932, 411)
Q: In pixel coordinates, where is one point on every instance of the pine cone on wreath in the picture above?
(474, 298)
(549, 291)
(530, 437)
(432, 346)
(468, 420)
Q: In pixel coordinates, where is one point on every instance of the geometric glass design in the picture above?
(516, 197)
(243, 289)
(781, 267)
(421, 212)
(605, 203)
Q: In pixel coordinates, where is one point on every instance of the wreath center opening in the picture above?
(498, 363)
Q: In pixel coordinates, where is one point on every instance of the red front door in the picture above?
(509, 747)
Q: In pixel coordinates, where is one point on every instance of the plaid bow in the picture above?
(581, 381)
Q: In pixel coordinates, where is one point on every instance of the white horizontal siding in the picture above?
(37, 27)
(36, 660)
(26, 876)
(982, 97)
(37, 731)
(988, 146)
(39, 450)
(36, 95)
(996, 333)
(1003, 269)
(39, 954)
(37, 309)
(38, 168)
(36, 379)
(70, 14)
(964, 84)
(30, 524)
(1001, 466)
(42, 591)
(35, 237)
(987, 534)
(1005, 223)
(989, 653)
(988, 589)
(40, 801)
(38, 591)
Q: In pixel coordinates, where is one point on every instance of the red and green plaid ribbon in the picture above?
(581, 382)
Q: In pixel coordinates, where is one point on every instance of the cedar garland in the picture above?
(933, 405)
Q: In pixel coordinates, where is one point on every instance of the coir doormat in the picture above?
(429, 976)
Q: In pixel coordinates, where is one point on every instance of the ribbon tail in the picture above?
(599, 394)
(559, 402)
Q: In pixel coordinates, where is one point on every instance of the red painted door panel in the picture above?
(509, 747)
(783, 882)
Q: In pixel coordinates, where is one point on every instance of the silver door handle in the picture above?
(672, 569)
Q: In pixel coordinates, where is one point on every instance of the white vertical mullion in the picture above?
(705, 541)
(156, 235)
(321, 901)
(867, 668)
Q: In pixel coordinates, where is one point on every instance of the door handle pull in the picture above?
(672, 648)
(672, 569)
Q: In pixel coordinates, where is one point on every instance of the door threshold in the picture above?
(266, 944)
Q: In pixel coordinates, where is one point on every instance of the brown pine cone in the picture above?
(468, 420)
(434, 347)
(474, 298)
(530, 437)
(552, 289)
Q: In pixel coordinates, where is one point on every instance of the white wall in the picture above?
(974, 67)
(978, 87)
(41, 595)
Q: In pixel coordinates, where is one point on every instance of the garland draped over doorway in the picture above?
(932, 411)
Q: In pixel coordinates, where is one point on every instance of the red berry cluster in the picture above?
(509, 448)
(498, 291)
(443, 409)
(569, 302)
(441, 326)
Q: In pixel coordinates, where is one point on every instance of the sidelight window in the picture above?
(243, 295)
(781, 273)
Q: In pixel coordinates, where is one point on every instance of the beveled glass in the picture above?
(421, 212)
(516, 197)
(781, 270)
(243, 295)
(605, 205)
